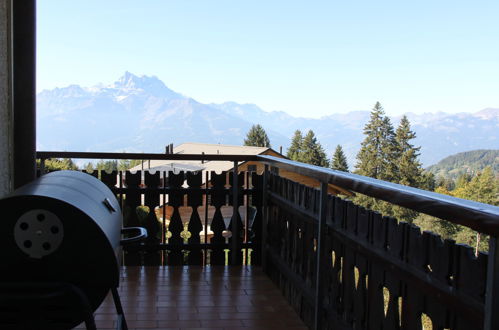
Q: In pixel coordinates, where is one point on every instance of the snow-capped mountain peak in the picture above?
(130, 83)
(488, 113)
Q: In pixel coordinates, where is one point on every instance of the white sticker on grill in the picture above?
(38, 233)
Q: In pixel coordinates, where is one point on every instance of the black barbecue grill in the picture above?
(60, 239)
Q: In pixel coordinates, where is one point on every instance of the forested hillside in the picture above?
(469, 162)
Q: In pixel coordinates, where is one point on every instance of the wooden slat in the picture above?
(194, 200)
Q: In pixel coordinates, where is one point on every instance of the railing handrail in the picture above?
(142, 156)
(481, 217)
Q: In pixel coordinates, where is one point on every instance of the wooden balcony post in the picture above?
(264, 217)
(492, 290)
(235, 223)
(319, 280)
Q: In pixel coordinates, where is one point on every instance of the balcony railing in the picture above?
(341, 266)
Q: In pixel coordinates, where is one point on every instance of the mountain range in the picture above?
(141, 114)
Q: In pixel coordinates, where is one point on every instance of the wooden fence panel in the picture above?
(381, 273)
(175, 207)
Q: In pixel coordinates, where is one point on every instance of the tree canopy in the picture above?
(307, 149)
(339, 161)
(409, 169)
(294, 151)
(57, 164)
(312, 151)
(482, 187)
(377, 154)
(389, 155)
(257, 137)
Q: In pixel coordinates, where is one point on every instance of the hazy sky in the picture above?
(309, 58)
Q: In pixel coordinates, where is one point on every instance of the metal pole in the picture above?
(235, 223)
(492, 291)
(319, 280)
(24, 90)
(264, 218)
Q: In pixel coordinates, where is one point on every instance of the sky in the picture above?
(307, 58)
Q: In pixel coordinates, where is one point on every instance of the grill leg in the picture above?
(90, 323)
(121, 324)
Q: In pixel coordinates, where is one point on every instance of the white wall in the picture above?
(5, 108)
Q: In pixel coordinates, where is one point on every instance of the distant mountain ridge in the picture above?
(438, 134)
(466, 162)
(141, 114)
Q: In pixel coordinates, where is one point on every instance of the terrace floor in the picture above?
(195, 297)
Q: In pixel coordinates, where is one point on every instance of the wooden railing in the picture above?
(341, 266)
(344, 267)
(192, 218)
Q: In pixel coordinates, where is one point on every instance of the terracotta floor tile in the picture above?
(221, 323)
(156, 316)
(180, 324)
(199, 316)
(209, 298)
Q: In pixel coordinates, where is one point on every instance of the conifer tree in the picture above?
(257, 137)
(108, 165)
(339, 161)
(294, 151)
(409, 169)
(408, 166)
(376, 157)
(312, 151)
(390, 152)
(89, 167)
(428, 181)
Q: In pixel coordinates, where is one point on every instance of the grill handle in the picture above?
(141, 235)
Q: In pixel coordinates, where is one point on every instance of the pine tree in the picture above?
(390, 152)
(108, 165)
(312, 151)
(428, 181)
(339, 161)
(295, 150)
(376, 157)
(409, 169)
(408, 166)
(257, 137)
(89, 167)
